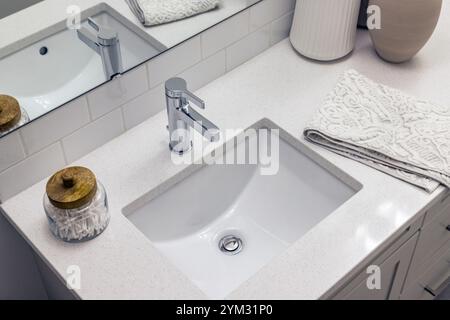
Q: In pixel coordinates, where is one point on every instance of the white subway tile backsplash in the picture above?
(144, 106)
(224, 34)
(31, 170)
(117, 92)
(174, 61)
(269, 10)
(248, 47)
(11, 150)
(281, 28)
(72, 131)
(93, 135)
(55, 125)
(206, 71)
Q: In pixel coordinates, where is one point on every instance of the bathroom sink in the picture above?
(222, 223)
(60, 67)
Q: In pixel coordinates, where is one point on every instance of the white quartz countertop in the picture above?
(287, 89)
(30, 21)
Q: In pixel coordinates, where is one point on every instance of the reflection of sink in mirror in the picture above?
(61, 67)
(223, 223)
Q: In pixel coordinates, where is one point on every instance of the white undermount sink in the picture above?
(60, 67)
(266, 212)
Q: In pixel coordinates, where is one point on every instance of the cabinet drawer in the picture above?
(438, 208)
(393, 274)
(432, 237)
(433, 280)
(409, 233)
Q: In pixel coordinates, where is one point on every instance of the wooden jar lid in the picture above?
(10, 113)
(72, 188)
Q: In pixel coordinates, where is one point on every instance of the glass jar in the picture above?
(12, 115)
(76, 205)
(24, 119)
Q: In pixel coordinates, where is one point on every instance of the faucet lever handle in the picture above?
(94, 24)
(177, 88)
(105, 35)
(193, 98)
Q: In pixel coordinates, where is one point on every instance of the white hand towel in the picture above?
(153, 12)
(386, 129)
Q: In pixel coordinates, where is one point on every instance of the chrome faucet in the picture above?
(106, 43)
(182, 117)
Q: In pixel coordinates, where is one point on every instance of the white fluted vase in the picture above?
(325, 29)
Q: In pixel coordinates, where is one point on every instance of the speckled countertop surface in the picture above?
(287, 89)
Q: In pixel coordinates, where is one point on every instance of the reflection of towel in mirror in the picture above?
(153, 12)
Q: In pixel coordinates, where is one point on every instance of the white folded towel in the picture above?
(153, 12)
(386, 129)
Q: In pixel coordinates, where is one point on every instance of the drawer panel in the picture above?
(344, 290)
(433, 236)
(393, 273)
(433, 280)
(438, 208)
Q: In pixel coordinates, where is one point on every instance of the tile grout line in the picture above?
(63, 149)
(89, 123)
(185, 69)
(122, 116)
(22, 142)
(203, 57)
(147, 77)
(252, 56)
(201, 46)
(29, 154)
(243, 36)
(272, 26)
(26, 155)
(86, 97)
(27, 158)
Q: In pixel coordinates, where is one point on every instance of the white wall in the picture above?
(8, 7)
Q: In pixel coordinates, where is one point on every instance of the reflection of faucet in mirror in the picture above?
(182, 117)
(106, 43)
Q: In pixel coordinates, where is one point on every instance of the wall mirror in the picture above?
(67, 48)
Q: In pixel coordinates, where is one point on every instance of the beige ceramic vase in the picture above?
(406, 26)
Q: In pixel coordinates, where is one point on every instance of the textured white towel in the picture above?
(386, 129)
(153, 12)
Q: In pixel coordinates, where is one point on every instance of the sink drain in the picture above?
(231, 245)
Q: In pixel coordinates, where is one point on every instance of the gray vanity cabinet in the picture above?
(393, 261)
(414, 266)
(393, 274)
(19, 275)
(429, 273)
(432, 281)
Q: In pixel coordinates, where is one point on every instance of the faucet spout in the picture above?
(182, 117)
(88, 38)
(195, 120)
(106, 43)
